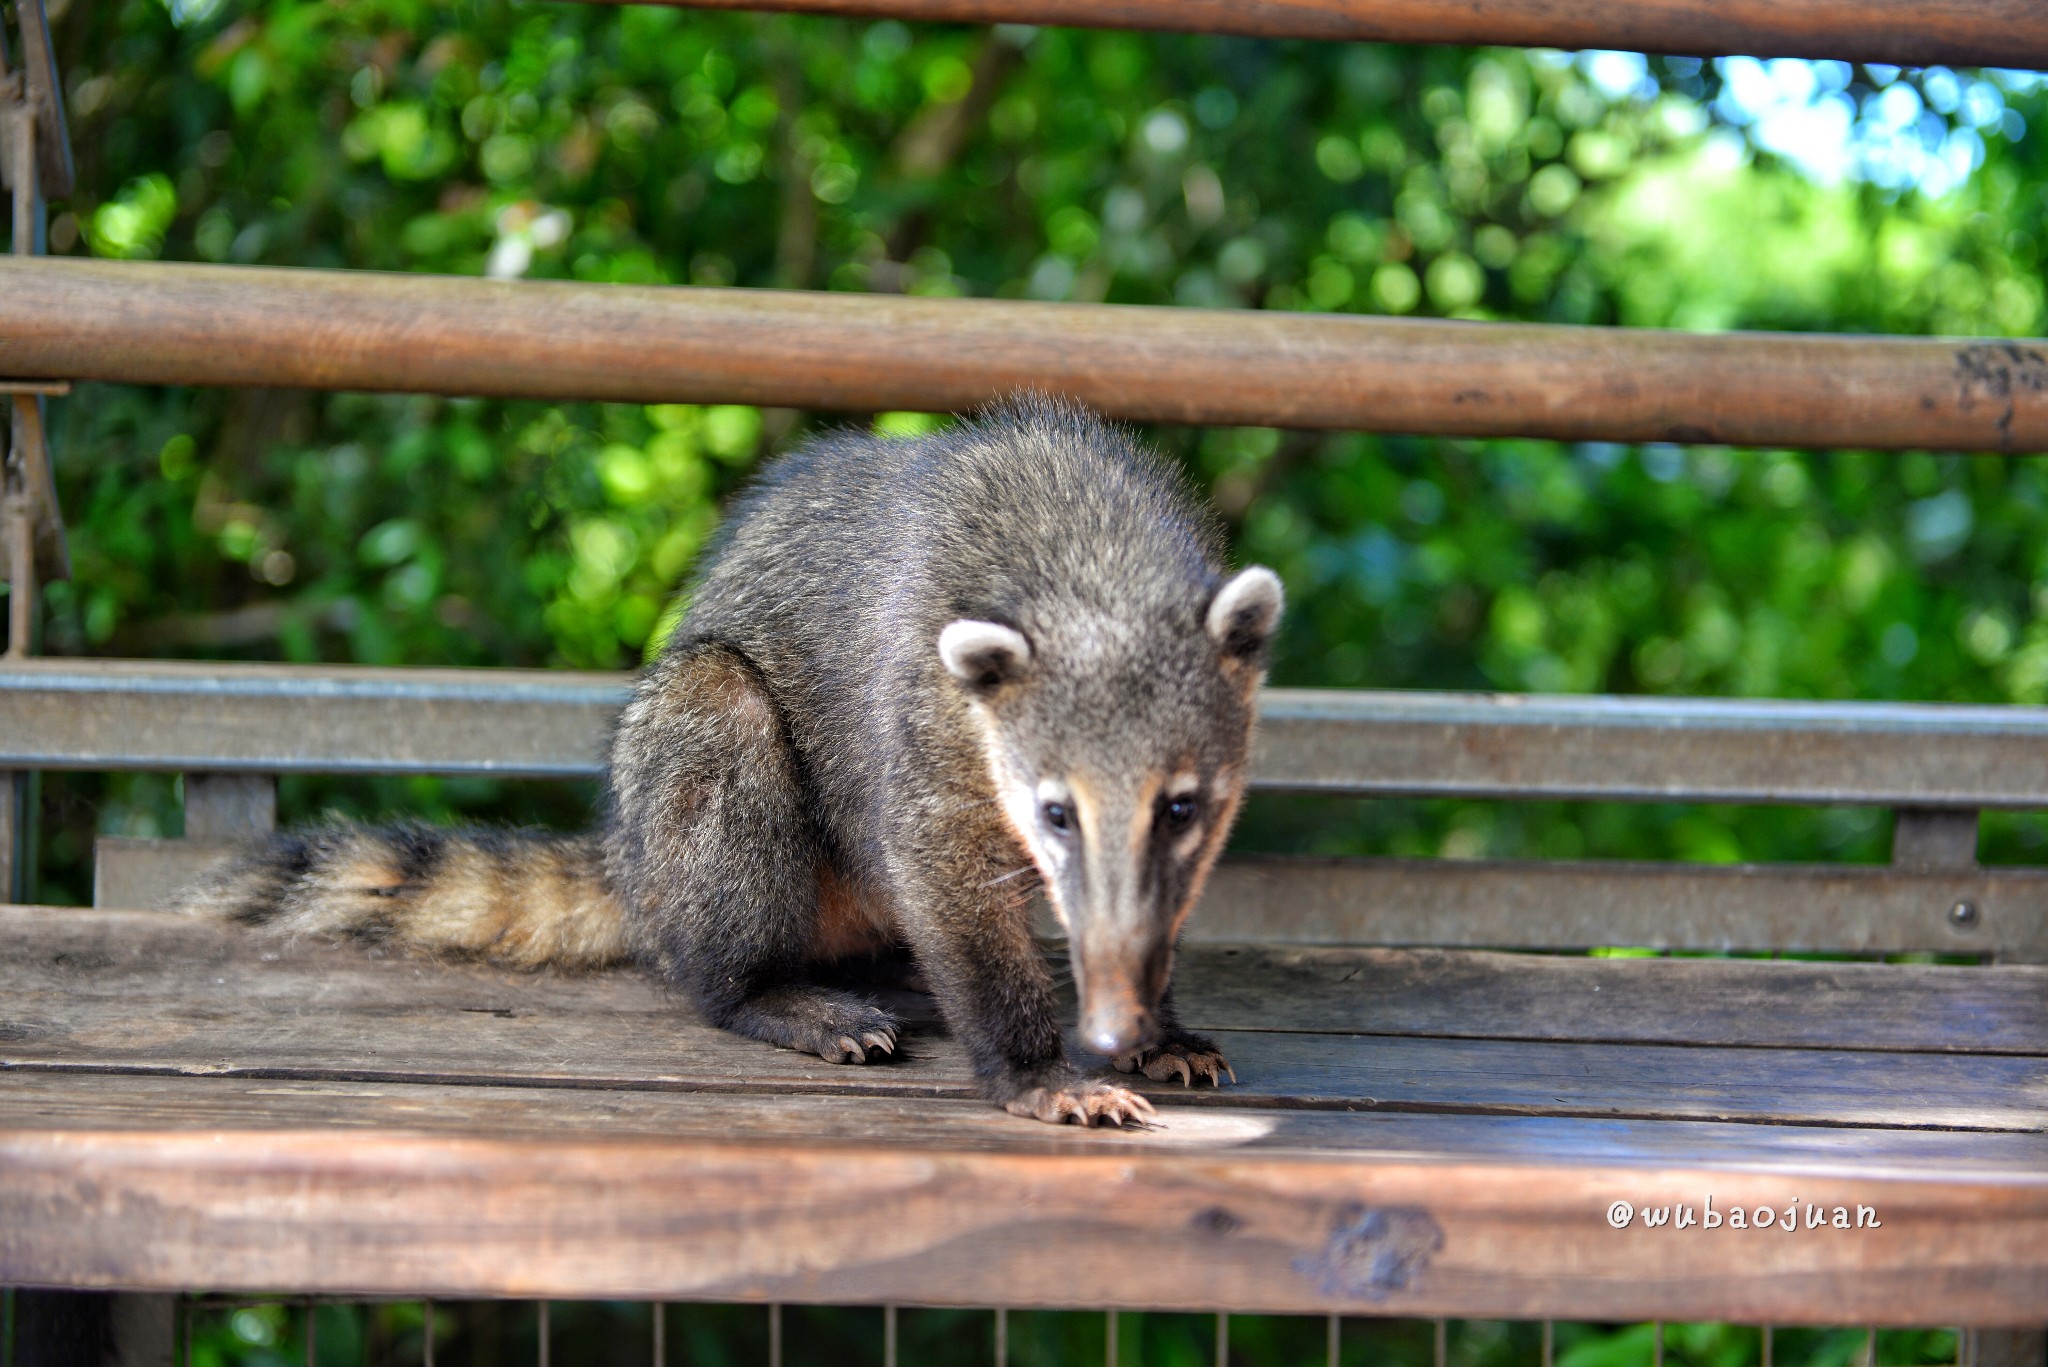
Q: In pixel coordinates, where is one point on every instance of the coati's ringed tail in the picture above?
(517, 897)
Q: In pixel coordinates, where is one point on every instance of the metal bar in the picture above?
(19, 518)
(1223, 1338)
(660, 1334)
(1334, 1349)
(277, 719)
(46, 96)
(1869, 1347)
(29, 475)
(1767, 1347)
(1439, 1343)
(1581, 904)
(1002, 1337)
(774, 1336)
(1657, 1344)
(1109, 1338)
(312, 1333)
(168, 323)
(1550, 1343)
(1937, 839)
(229, 805)
(427, 1335)
(541, 1333)
(1892, 31)
(888, 1336)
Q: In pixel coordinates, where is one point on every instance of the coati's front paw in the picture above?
(1186, 1059)
(1085, 1101)
(854, 1037)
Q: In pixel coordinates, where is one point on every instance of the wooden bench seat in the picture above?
(1414, 1132)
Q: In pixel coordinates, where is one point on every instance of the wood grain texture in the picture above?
(88, 992)
(183, 1105)
(369, 1212)
(38, 1101)
(159, 323)
(1969, 32)
(104, 957)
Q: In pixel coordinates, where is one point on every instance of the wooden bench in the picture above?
(1424, 1124)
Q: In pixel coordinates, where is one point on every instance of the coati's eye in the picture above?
(1056, 815)
(1178, 814)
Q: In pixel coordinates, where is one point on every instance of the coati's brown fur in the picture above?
(917, 682)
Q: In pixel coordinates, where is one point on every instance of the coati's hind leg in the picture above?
(716, 856)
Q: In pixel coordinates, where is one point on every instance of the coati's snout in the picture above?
(1117, 746)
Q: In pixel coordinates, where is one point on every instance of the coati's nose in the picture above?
(1125, 1032)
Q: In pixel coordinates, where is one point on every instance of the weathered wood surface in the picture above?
(100, 958)
(162, 323)
(181, 1104)
(85, 992)
(1900, 32)
(878, 1220)
(151, 1103)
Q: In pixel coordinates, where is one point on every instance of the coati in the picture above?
(916, 680)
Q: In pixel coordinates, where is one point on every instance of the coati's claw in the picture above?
(884, 1040)
(1085, 1101)
(1175, 1060)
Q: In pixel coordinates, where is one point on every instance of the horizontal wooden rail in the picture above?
(155, 323)
(159, 715)
(2004, 33)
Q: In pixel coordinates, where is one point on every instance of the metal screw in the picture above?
(1963, 915)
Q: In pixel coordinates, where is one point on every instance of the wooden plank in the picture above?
(1470, 994)
(80, 996)
(156, 1104)
(1580, 904)
(163, 323)
(1898, 32)
(366, 1212)
(274, 719)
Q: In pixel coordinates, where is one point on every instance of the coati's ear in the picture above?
(984, 655)
(1245, 611)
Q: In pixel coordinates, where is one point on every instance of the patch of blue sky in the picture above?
(1928, 136)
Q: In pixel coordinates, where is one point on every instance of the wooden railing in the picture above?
(2010, 33)
(146, 323)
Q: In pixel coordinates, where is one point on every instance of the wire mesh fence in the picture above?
(216, 1331)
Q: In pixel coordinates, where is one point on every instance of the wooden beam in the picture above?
(2012, 33)
(158, 323)
(353, 1211)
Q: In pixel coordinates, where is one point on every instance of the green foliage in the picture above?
(661, 145)
(656, 145)
(483, 1334)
